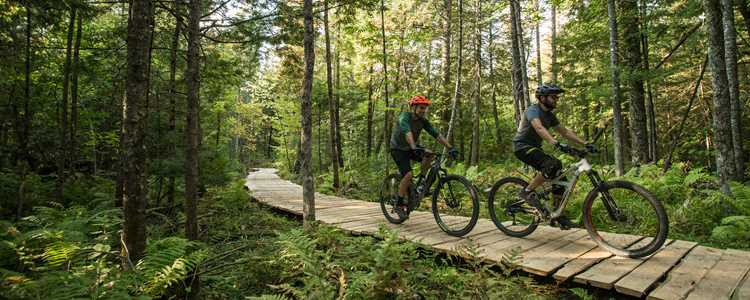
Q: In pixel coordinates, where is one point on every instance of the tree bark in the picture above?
(475, 138)
(721, 103)
(632, 39)
(24, 141)
(308, 193)
(133, 139)
(445, 115)
(173, 97)
(74, 93)
(370, 110)
(539, 79)
(192, 130)
(616, 109)
(522, 54)
(457, 90)
(62, 159)
(336, 95)
(386, 119)
(650, 109)
(331, 102)
(495, 116)
(553, 42)
(730, 55)
(519, 101)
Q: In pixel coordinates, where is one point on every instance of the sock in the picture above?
(526, 189)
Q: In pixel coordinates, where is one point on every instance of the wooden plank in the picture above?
(743, 291)
(721, 281)
(532, 258)
(335, 218)
(590, 258)
(479, 240)
(373, 227)
(542, 235)
(482, 226)
(683, 278)
(552, 261)
(606, 273)
(645, 276)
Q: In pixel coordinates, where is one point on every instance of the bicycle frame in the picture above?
(576, 169)
(434, 173)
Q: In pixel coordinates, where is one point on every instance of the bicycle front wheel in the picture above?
(455, 205)
(620, 207)
(388, 198)
(510, 213)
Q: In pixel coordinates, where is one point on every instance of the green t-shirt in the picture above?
(526, 137)
(405, 123)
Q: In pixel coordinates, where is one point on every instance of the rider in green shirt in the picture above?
(527, 143)
(404, 147)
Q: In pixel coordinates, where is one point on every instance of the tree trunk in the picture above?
(616, 109)
(331, 101)
(336, 95)
(678, 133)
(445, 115)
(370, 110)
(539, 79)
(735, 109)
(173, 98)
(192, 130)
(62, 159)
(553, 42)
(386, 119)
(721, 103)
(308, 193)
(474, 159)
(491, 50)
(74, 94)
(650, 109)
(24, 141)
(632, 39)
(133, 141)
(457, 91)
(522, 54)
(516, 70)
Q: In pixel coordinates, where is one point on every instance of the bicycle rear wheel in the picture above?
(455, 205)
(513, 216)
(620, 207)
(388, 198)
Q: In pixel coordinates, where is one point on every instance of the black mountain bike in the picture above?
(453, 199)
(620, 207)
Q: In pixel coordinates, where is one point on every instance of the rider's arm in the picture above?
(569, 135)
(434, 133)
(410, 140)
(542, 132)
(443, 141)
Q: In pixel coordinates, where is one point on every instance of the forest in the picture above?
(127, 128)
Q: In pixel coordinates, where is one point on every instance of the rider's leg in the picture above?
(536, 182)
(403, 187)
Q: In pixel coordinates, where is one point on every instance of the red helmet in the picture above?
(419, 100)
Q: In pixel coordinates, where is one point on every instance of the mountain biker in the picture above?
(404, 145)
(527, 144)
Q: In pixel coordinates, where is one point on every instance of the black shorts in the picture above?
(403, 160)
(540, 161)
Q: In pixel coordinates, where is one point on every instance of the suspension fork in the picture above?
(609, 202)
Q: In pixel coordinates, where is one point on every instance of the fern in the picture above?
(167, 262)
(268, 297)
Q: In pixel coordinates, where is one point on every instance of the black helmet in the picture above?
(548, 89)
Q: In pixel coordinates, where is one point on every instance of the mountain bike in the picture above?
(620, 207)
(453, 199)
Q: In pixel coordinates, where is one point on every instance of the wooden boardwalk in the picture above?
(680, 270)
